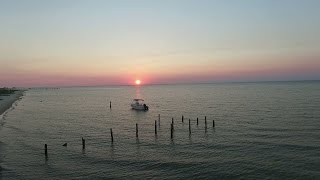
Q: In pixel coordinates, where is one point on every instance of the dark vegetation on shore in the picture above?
(6, 91)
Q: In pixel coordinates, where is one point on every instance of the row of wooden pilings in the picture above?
(137, 131)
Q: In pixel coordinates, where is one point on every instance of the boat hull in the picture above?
(139, 107)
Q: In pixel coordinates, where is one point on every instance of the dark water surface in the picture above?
(263, 130)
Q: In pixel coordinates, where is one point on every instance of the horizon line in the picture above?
(178, 83)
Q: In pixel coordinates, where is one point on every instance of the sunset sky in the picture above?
(88, 43)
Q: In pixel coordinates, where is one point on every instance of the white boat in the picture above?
(138, 104)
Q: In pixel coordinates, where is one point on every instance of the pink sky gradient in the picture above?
(288, 72)
(82, 43)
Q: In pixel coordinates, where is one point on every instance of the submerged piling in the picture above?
(205, 123)
(197, 121)
(171, 130)
(172, 122)
(182, 118)
(83, 143)
(110, 104)
(189, 127)
(46, 149)
(213, 124)
(155, 127)
(137, 131)
(111, 134)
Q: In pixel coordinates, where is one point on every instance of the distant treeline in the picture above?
(7, 91)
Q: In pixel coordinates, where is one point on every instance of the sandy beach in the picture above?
(7, 101)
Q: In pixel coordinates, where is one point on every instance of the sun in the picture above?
(138, 82)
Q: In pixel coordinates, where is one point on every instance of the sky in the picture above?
(101, 42)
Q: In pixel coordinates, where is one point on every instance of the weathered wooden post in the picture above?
(137, 131)
(155, 127)
(197, 121)
(213, 123)
(205, 123)
(172, 124)
(111, 134)
(182, 118)
(46, 150)
(110, 104)
(171, 130)
(189, 127)
(83, 143)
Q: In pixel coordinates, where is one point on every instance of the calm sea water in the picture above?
(262, 131)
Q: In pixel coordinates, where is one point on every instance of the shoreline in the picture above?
(7, 101)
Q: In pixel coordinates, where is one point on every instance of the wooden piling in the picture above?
(111, 134)
(197, 121)
(189, 127)
(159, 119)
(172, 122)
(110, 104)
(213, 124)
(83, 143)
(137, 131)
(155, 127)
(182, 118)
(171, 130)
(205, 123)
(46, 149)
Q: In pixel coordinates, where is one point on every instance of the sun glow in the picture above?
(138, 82)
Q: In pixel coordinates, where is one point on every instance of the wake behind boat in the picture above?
(138, 104)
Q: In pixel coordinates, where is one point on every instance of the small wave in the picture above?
(2, 123)
(7, 173)
(15, 128)
(14, 105)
